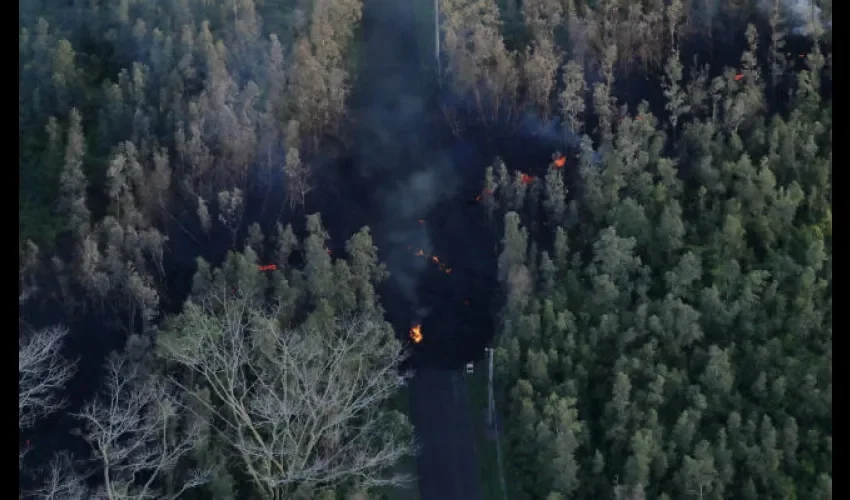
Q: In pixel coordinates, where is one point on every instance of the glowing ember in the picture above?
(268, 267)
(436, 260)
(416, 334)
(527, 179)
(560, 162)
(739, 77)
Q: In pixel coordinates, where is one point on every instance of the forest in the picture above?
(223, 209)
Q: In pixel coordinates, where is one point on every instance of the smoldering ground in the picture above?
(412, 180)
(400, 166)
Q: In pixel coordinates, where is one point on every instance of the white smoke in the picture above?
(799, 15)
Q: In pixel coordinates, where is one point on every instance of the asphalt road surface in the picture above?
(446, 465)
(396, 136)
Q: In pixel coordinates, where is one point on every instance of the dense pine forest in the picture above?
(217, 276)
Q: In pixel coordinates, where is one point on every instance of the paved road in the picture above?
(397, 137)
(447, 465)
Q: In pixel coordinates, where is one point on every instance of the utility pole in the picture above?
(490, 404)
(491, 419)
(437, 37)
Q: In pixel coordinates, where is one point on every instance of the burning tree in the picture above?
(300, 410)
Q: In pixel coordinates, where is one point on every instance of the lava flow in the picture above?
(436, 260)
(560, 162)
(416, 334)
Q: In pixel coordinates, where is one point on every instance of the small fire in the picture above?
(436, 260)
(739, 77)
(416, 334)
(527, 179)
(560, 162)
(268, 267)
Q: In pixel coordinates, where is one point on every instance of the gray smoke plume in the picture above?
(397, 151)
(799, 15)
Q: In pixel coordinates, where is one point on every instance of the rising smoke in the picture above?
(398, 155)
(799, 15)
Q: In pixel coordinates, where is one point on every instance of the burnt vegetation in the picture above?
(232, 214)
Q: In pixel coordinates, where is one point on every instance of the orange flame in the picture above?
(560, 162)
(739, 77)
(527, 179)
(436, 260)
(268, 267)
(416, 334)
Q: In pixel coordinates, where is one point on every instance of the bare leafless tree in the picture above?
(539, 66)
(139, 435)
(479, 66)
(296, 171)
(572, 97)
(299, 410)
(231, 206)
(27, 267)
(42, 374)
(61, 481)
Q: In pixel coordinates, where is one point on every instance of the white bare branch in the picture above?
(304, 408)
(138, 435)
(25, 294)
(42, 374)
(61, 481)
